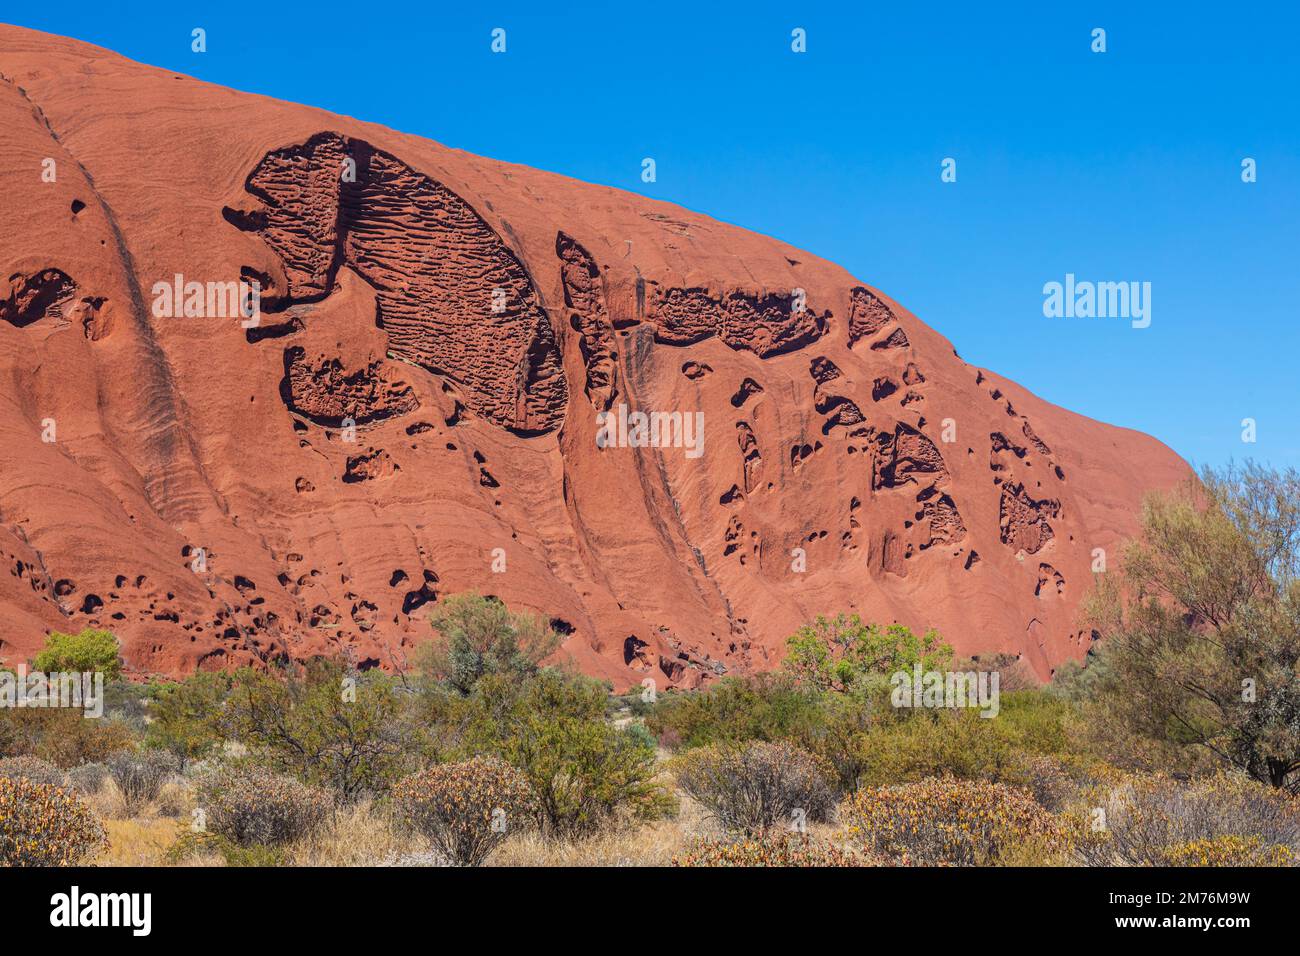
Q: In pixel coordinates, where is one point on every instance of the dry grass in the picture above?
(359, 836)
(142, 842)
(365, 835)
(647, 844)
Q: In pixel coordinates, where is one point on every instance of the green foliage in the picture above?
(466, 809)
(186, 715)
(479, 636)
(756, 787)
(764, 707)
(917, 744)
(253, 806)
(584, 772)
(43, 825)
(329, 727)
(84, 652)
(1201, 634)
(189, 844)
(841, 652)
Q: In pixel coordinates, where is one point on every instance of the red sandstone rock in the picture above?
(417, 407)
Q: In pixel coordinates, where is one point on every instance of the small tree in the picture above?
(1201, 635)
(480, 636)
(840, 652)
(584, 772)
(86, 652)
(186, 716)
(326, 726)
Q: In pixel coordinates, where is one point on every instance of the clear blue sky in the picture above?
(1116, 166)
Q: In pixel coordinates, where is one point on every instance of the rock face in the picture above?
(414, 411)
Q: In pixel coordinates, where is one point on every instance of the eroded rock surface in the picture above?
(415, 413)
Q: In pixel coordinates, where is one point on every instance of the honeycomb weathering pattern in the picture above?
(916, 487)
(452, 296)
(766, 325)
(585, 297)
(327, 394)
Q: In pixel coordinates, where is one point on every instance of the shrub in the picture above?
(837, 653)
(1205, 601)
(917, 745)
(190, 844)
(140, 776)
(251, 805)
(944, 820)
(757, 786)
(186, 715)
(88, 778)
(32, 768)
(86, 652)
(41, 825)
(584, 773)
(786, 850)
(734, 709)
(479, 636)
(1229, 851)
(465, 809)
(61, 735)
(1151, 820)
(350, 739)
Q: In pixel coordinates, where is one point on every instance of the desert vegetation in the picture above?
(1176, 743)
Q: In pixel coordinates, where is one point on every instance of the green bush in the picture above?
(947, 821)
(480, 636)
(775, 850)
(41, 825)
(756, 787)
(34, 769)
(913, 745)
(345, 732)
(465, 810)
(254, 806)
(584, 773)
(86, 652)
(140, 776)
(763, 707)
(842, 652)
(186, 715)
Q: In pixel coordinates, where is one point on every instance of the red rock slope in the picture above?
(473, 318)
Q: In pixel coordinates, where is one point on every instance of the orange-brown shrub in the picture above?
(42, 825)
(772, 850)
(465, 810)
(948, 821)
